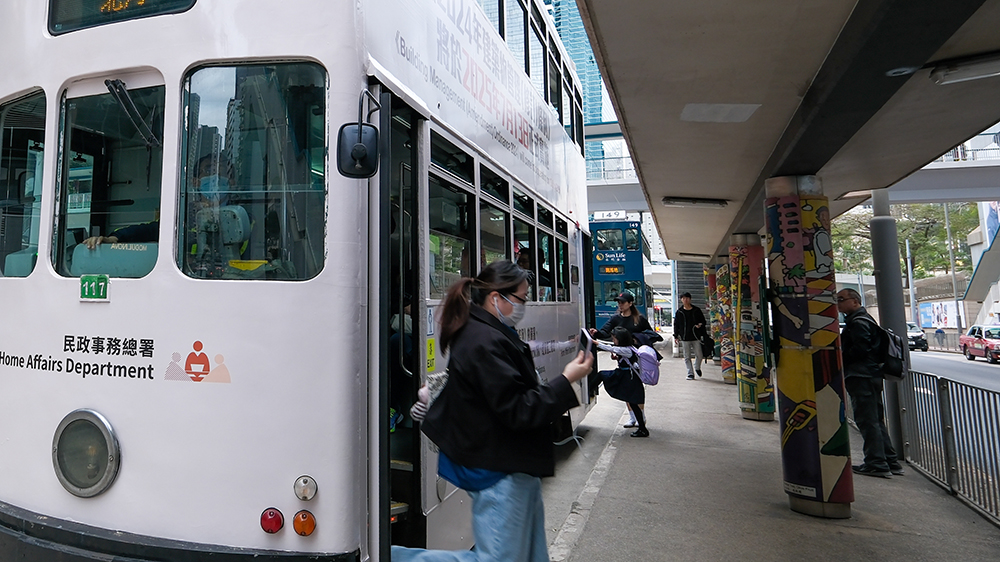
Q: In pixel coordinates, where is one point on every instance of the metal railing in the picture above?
(611, 168)
(965, 152)
(942, 342)
(952, 434)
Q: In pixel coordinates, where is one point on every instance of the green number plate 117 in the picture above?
(94, 288)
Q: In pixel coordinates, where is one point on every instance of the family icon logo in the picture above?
(197, 367)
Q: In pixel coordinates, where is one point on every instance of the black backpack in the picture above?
(891, 354)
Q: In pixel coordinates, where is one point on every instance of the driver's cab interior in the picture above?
(110, 178)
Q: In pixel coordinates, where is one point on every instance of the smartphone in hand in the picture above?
(587, 342)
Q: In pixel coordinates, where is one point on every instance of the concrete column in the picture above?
(889, 289)
(712, 315)
(815, 447)
(727, 351)
(753, 378)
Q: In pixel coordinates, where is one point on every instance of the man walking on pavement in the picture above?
(863, 379)
(689, 321)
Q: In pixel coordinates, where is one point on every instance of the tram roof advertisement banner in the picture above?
(447, 54)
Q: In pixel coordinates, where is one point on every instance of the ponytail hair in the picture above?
(501, 276)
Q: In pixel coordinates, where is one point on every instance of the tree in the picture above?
(922, 224)
(852, 242)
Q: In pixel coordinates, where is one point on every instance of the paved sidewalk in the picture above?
(707, 485)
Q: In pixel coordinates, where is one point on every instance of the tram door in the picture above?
(421, 230)
(407, 525)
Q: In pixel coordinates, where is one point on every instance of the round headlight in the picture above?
(85, 453)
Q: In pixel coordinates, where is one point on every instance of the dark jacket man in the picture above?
(685, 321)
(483, 417)
(859, 342)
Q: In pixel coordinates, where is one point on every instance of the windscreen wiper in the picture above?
(119, 91)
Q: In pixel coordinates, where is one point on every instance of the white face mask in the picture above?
(515, 315)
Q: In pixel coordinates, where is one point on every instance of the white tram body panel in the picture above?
(199, 462)
(285, 374)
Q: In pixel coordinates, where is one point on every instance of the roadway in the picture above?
(956, 367)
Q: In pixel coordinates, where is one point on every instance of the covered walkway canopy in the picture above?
(715, 97)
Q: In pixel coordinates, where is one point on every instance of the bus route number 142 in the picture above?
(94, 288)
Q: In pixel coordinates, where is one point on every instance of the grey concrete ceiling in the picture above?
(716, 96)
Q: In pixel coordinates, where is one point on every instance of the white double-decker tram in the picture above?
(225, 226)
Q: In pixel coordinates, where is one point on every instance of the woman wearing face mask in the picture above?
(491, 420)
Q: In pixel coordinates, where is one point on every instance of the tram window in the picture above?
(23, 126)
(599, 293)
(635, 287)
(536, 60)
(451, 158)
(515, 20)
(524, 203)
(609, 240)
(524, 237)
(544, 217)
(111, 178)
(579, 124)
(450, 235)
(611, 291)
(70, 15)
(562, 271)
(493, 235)
(536, 18)
(561, 227)
(493, 184)
(567, 109)
(492, 9)
(546, 291)
(631, 239)
(252, 197)
(555, 88)
(554, 52)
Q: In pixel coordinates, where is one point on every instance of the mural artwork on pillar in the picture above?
(726, 349)
(713, 309)
(810, 390)
(753, 377)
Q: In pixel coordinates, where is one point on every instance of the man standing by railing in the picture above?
(863, 379)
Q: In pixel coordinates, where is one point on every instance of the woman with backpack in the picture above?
(628, 317)
(624, 383)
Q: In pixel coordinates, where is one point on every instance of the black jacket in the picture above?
(493, 413)
(618, 320)
(859, 343)
(684, 330)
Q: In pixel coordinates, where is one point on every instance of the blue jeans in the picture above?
(508, 522)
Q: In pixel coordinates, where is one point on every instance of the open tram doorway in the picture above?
(399, 263)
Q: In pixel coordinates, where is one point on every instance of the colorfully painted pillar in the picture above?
(725, 339)
(712, 300)
(815, 450)
(753, 375)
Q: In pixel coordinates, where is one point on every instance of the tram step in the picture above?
(397, 510)
(405, 466)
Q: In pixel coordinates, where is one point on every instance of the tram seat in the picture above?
(20, 264)
(115, 260)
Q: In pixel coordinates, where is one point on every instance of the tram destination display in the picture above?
(71, 15)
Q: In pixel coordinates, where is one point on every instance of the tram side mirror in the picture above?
(357, 150)
(357, 143)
